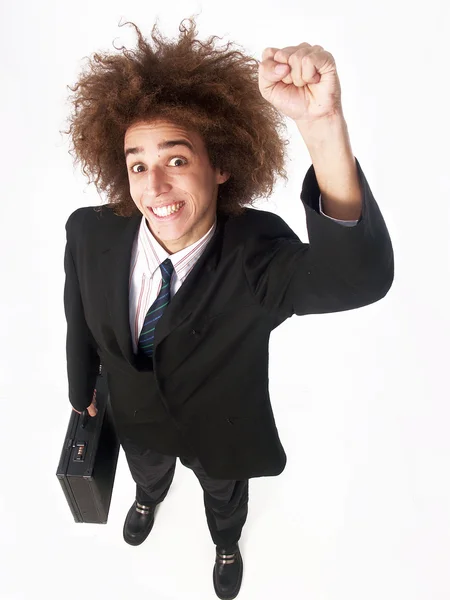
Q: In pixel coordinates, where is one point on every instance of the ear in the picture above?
(223, 177)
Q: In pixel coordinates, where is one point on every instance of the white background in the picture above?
(361, 398)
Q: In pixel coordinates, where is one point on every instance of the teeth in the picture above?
(167, 210)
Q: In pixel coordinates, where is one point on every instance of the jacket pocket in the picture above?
(237, 447)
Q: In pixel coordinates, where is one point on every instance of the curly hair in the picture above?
(189, 84)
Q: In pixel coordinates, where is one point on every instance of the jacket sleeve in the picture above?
(82, 359)
(341, 268)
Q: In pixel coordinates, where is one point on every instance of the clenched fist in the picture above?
(92, 409)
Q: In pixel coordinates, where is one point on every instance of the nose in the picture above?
(155, 180)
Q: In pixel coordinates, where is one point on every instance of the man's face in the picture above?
(171, 177)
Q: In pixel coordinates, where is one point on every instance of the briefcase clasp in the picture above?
(80, 452)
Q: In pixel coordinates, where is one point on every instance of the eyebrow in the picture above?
(161, 146)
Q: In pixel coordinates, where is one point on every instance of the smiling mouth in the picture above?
(167, 211)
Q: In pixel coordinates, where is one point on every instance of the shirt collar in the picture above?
(156, 254)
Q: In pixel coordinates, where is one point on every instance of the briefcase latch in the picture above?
(80, 451)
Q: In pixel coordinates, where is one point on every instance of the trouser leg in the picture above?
(152, 472)
(226, 504)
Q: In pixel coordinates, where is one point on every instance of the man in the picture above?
(177, 301)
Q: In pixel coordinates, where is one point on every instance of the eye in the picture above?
(140, 164)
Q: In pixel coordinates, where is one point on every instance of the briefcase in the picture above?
(88, 462)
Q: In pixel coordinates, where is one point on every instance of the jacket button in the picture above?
(195, 332)
(230, 421)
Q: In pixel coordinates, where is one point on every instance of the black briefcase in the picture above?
(88, 462)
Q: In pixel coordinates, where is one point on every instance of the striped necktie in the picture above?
(156, 310)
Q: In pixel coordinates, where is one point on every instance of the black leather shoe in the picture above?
(139, 523)
(228, 570)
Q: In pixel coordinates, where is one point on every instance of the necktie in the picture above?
(156, 310)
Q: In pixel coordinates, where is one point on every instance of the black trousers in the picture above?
(226, 501)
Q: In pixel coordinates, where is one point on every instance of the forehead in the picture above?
(156, 131)
(159, 135)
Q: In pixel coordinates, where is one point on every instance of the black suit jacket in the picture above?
(210, 362)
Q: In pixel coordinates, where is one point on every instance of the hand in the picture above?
(92, 409)
(307, 89)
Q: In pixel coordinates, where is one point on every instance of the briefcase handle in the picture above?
(84, 418)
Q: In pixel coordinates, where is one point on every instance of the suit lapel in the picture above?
(115, 263)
